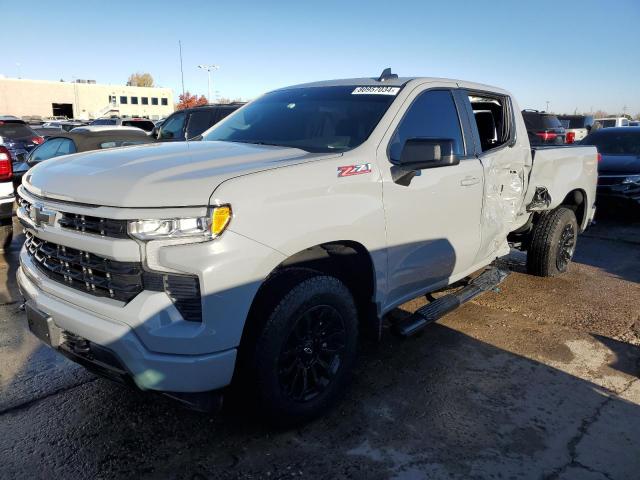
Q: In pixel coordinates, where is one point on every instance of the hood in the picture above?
(619, 164)
(156, 175)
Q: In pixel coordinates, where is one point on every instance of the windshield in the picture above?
(315, 119)
(575, 121)
(105, 121)
(615, 142)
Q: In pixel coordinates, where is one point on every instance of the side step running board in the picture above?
(487, 280)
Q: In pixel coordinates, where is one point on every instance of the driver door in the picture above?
(433, 223)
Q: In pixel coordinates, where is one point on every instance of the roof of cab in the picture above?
(395, 82)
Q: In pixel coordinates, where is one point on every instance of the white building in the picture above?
(82, 99)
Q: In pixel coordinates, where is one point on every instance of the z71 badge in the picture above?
(349, 170)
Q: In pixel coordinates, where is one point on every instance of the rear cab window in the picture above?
(15, 130)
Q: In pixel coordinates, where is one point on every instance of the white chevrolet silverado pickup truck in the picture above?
(258, 254)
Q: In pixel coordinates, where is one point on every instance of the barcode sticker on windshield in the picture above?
(376, 91)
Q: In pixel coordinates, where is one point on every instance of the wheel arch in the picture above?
(347, 260)
(576, 200)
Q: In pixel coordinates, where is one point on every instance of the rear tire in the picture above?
(305, 352)
(553, 243)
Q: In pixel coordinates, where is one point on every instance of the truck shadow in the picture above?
(613, 243)
(443, 404)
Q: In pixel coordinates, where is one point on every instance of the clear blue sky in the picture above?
(575, 54)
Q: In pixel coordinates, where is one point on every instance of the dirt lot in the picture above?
(538, 380)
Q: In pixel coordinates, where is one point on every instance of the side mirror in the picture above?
(421, 153)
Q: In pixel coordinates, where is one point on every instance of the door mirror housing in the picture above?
(421, 153)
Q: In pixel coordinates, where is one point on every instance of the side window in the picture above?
(493, 120)
(432, 115)
(173, 127)
(66, 147)
(199, 121)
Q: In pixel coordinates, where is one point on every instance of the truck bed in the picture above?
(561, 170)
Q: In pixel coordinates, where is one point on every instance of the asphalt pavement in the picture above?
(536, 380)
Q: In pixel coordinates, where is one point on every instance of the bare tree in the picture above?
(140, 80)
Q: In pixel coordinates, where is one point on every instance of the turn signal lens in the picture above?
(220, 218)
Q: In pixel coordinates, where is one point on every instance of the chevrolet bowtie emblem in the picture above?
(41, 216)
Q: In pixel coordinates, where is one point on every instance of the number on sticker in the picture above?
(376, 91)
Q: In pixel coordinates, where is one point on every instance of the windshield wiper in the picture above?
(257, 142)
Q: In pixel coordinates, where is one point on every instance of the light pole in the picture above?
(209, 69)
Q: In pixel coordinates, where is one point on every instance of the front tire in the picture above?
(553, 243)
(305, 353)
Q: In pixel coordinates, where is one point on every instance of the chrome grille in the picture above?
(105, 227)
(103, 277)
(85, 271)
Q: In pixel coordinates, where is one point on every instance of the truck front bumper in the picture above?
(112, 349)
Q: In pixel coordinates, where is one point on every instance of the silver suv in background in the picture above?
(142, 123)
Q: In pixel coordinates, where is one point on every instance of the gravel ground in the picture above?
(538, 380)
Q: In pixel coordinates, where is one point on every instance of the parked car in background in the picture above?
(156, 127)
(84, 140)
(619, 167)
(576, 126)
(7, 197)
(611, 122)
(543, 128)
(19, 139)
(142, 123)
(189, 123)
(67, 125)
(46, 132)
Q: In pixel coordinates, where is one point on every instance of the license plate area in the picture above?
(42, 326)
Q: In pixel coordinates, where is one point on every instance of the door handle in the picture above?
(468, 181)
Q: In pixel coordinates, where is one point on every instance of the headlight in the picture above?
(196, 228)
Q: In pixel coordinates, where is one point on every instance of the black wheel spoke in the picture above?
(311, 355)
(566, 247)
